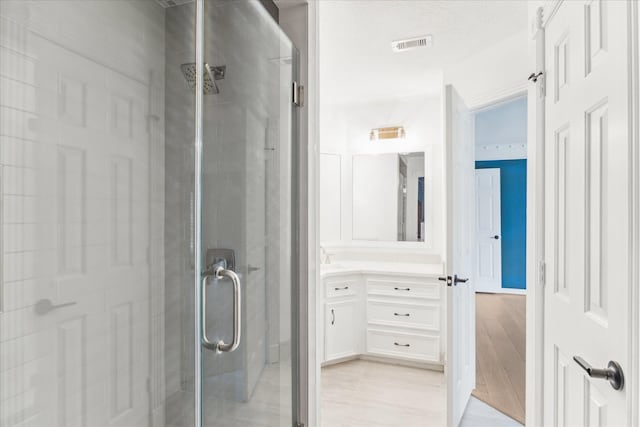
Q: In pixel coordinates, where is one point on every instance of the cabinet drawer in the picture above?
(424, 348)
(404, 289)
(410, 315)
(340, 288)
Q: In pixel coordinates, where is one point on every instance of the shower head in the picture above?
(211, 74)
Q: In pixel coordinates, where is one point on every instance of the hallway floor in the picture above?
(500, 352)
(361, 393)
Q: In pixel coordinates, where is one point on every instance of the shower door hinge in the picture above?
(298, 94)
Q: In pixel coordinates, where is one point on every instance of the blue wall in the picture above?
(513, 209)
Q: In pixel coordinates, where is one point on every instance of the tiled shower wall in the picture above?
(96, 289)
(82, 185)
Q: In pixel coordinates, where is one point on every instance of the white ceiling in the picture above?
(356, 60)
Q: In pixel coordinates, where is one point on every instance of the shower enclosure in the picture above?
(147, 214)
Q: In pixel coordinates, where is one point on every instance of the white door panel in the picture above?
(488, 231)
(587, 184)
(76, 338)
(460, 189)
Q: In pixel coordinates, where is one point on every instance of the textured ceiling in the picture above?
(356, 61)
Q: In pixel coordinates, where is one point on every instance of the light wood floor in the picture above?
(500, 352)
(360, 393)
(369, 394)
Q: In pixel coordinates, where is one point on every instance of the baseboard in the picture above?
(402, 362)
(387, 360)
(339, 360)
(511, 291)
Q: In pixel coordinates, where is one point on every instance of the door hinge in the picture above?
(539, 76)
(542, 89)
(542, 272)
(298, 94)
(298, 424)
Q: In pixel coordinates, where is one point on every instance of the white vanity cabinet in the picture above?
(404, 315)
(341, 334)
(384, 316)
(342, 317)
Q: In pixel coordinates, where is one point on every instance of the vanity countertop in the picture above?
(394, 268)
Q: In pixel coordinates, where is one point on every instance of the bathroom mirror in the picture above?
(389, 197)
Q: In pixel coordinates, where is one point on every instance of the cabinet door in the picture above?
(340, 329)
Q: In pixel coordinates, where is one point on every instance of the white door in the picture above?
(74, 321)
(587, 212)
(488, 231)
(460, 216)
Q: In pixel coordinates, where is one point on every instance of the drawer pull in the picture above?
(402, 314)
(341, 289)
(402, 289)
(401, 345)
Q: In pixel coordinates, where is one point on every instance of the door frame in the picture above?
(494, 100)
(535, 210)
(540, 13)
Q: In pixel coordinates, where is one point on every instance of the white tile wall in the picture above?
(79, 170)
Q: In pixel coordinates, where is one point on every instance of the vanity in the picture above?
(387, 311)
(381, 234)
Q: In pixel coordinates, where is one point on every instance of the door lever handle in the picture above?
(613, 373)
(457, 280)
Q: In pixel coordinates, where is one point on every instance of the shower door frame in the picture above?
(299, 261)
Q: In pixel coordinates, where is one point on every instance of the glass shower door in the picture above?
(246, 218)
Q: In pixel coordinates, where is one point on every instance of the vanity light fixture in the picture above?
(392, 132)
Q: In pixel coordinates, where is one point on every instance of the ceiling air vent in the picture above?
(412, 43)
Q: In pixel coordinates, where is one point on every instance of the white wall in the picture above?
(501, 131)
(497, 72)
(345, 131)
(330, 190)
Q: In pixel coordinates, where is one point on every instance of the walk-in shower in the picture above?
(105, 134)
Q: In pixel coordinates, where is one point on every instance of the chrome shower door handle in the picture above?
(221, 346)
